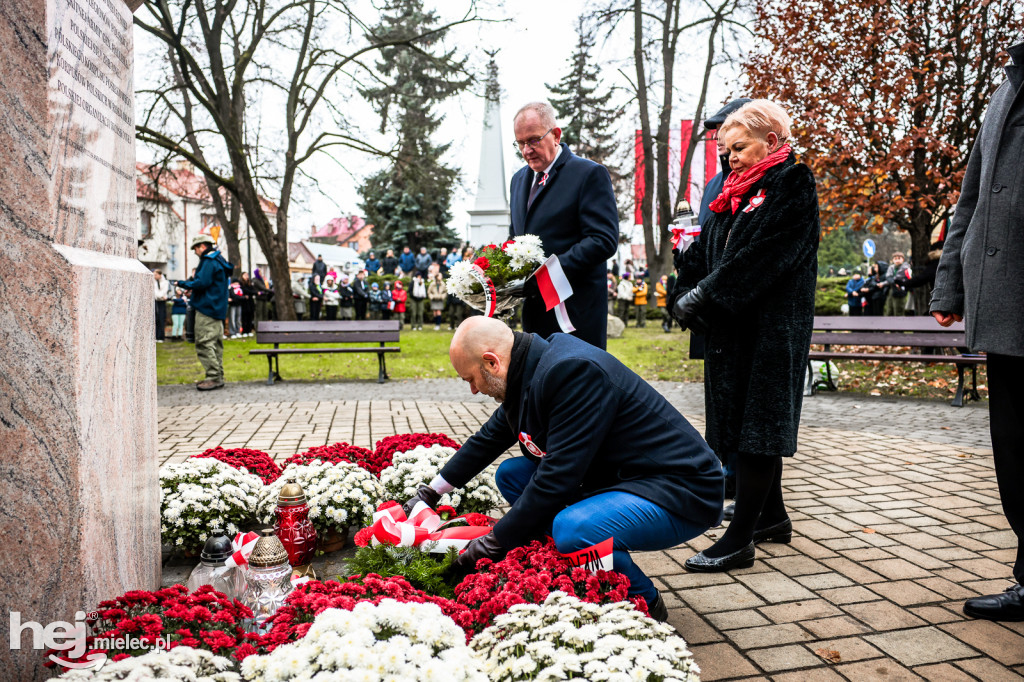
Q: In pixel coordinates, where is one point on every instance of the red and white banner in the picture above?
(555, 289)
(682, 237)
(391, 527)
(242, 544)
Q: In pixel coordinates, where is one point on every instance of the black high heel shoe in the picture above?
(781, 533)
(741, 558)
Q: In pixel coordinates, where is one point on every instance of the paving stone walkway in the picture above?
(896, 515)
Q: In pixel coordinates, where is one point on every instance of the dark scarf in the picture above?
(514, 379)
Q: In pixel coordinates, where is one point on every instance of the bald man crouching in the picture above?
(604, 454)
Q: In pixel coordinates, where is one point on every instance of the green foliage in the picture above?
(841, 248)
(425, 571)
(830, 295)
(409, 202)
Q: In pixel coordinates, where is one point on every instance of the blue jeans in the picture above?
(634, 523)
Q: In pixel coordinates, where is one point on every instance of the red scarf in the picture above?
(737, 185)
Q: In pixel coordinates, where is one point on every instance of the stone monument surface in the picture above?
(79, 496)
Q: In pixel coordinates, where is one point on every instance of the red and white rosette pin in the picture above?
(489, 292)
(243, 545)
(555, 289)
(391, 527)
(682, 237)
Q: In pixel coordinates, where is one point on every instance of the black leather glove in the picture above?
(425, 493)
(526, 289)
(484, 547)
(687, 311)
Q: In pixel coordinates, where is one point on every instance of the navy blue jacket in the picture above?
(210, 285)
(373, 265)
(407, 262)
(598, 427)
(711, 192)
(575, 216)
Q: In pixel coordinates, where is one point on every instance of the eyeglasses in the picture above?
(532, 142)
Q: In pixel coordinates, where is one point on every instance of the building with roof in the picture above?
(350, 231)
(174, 206)
(302, 255)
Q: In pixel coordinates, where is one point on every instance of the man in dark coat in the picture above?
(209, 289)
(979, 281)
(604, 454)
(569, 203)
(714, 186)
(320, 268)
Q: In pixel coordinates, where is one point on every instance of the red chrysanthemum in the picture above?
(482, 263)
(340, 452)
(255, 461)
(386, 448)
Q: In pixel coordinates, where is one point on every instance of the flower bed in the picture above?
(415, 467)
(205, 619)
(199, 496)
(386, 640)
(339, 495)
(566, 638)
(527, 575)
(309, 599)
(251, 461)
(339, 452)
(386, 448)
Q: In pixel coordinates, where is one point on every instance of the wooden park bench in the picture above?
(887, 332)
(327, 332)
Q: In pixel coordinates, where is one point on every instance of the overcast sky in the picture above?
(535, 43)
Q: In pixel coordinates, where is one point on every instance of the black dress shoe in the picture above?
(1008, 606)
(730, 509)
(741, 558)
(657, 609)
(781, 532)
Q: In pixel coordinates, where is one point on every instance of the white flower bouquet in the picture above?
(339, 495)
(415, 467)
(505, 268)
(198, 496)
(386, 641)
(179, 663)
(565, 638)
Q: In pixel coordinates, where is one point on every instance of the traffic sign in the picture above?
(869, 248)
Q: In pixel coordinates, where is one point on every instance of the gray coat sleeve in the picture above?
(948, 294)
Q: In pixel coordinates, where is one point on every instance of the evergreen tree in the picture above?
(409, 202)
(587, 117)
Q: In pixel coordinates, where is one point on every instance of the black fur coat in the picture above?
(757, 269)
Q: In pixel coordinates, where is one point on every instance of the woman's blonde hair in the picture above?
(760, 117)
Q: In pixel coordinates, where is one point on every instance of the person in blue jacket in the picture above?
(855, 296)
(603, 453)
(209, 289)
(407, 261)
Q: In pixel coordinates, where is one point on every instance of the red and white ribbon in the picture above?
(682, 237)
(392, 527)
(596, 558)
(555, 289)
(489, 292)
(242, 544)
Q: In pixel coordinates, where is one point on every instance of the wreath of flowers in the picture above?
(179, 663)
(339, 495)
(252, 461)
(385, 449)
(340, 452)
(198, 496)
(415, 467)
(527, 575)
(387, 640)
(292, 621)
(205, 619)
(512, 260)
(567, 638)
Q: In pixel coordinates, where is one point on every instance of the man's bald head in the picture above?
(480, 353)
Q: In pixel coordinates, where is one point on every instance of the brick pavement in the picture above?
(894, 505)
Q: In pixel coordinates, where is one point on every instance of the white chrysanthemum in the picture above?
(368, 644)
(606, 642)
(460, 282)
(179, 663)
(415, 467)
(203, 494)
(335, 493)
(526, 252)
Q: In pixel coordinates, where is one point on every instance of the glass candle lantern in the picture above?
(267, 581)
(212, 571)
(294, 529)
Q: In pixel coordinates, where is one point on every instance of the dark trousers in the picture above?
(161, 319)
(360, 308)
(855, 308)
(314, 310)
(1006, 421)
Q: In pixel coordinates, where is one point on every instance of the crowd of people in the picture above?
(886, 288)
